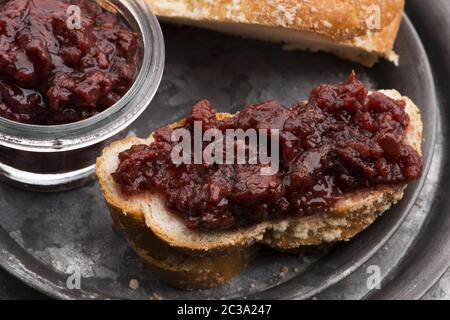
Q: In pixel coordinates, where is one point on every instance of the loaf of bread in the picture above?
(362, 31)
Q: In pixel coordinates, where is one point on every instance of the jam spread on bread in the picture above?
(341, 140)
(62, 60)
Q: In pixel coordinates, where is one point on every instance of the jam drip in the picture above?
(341, 140)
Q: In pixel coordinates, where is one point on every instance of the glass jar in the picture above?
(58, 157)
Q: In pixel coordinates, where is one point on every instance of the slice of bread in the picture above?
(361, 31)
(197, 258)
(181, 269)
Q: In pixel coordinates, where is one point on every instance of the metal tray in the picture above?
(43, 235)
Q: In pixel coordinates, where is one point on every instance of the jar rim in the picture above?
(69, 136)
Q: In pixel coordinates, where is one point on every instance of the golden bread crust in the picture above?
(344, 22)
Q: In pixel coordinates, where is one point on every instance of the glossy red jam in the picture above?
(56, 68)
(341, 140)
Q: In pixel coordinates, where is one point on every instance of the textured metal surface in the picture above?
(441, 290)
(430, 256)
(74, 227)
(13, 288)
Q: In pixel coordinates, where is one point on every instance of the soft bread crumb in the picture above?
(134, 284)
(331, 234)
(281, 227)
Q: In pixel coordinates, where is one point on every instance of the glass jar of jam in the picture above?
(74, 75)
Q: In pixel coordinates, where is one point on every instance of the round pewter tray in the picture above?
(45, 236)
